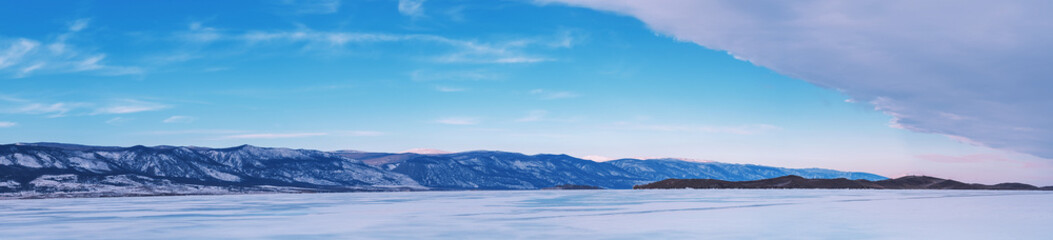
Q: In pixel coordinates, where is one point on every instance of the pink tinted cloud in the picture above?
(970, 158)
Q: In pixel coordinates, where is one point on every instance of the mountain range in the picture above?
(41, 170)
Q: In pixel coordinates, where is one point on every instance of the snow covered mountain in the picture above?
(505, 170)
(49, 169)
(66, 170)
(660, 169)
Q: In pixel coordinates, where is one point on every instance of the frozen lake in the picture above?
(606, 214)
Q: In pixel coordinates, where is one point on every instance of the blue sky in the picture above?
(388, 76)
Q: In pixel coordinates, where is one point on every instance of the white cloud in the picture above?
(551, 95)
(15, 51)
(747, 129)
(462, 51)
(533, 116)
(193, 132)
(179, 119)
(458, 121)
(413, 8)
(129, 106)
(362, 133)
(53, 109)
(311, 6)
(117, 121)
(22, 57)
(449, 89)
(62, 109)
(29, 69)
(272, 135)
(983, 60)
(424, 75)
(79, 24)
(7, 124)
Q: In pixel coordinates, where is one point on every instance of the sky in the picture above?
(948, 89)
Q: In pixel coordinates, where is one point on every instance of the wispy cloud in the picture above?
(423, 75)
(365, 133)
(449, 89)
(551, 95)
(512, 51)
(22, 57)
(194, 132)
(273, 135)
(117, 121)
(533, 116)
(311, 6)
(413, 8)
(458, 121)
(53, 110)
(79, 24)
(7, 124)
(179, 119)
(969, 158)
(751, 129)
(747, 129)
(62, 109)
(129, 106)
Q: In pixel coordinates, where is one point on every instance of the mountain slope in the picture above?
(42, 167)
(658, 169)
(503, 170)
(57, 170)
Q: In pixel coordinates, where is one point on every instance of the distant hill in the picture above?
(57, 170)
(507, 170)
(30, 170)
(798, 182)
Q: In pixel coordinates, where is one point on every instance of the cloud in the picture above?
(458, 121)
(7, 124)
(551, 95)
(53, 109)
(458, 51)
(424, 75)
(79, 24)
(117, 121)
(15, 51)
(22, 57)
(413, 8)
(179, 119)
(533, 116)
(129, 106)
(361, 133)
(919, 61)
(748, 129)
(311, 6)
(272, 135)
(449, 89)
(62, 109)
(970, 158)
(193, 132)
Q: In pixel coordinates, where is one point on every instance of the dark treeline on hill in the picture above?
(797, 182)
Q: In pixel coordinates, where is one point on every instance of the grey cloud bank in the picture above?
(972, 70)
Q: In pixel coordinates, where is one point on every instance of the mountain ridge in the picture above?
(59, 170)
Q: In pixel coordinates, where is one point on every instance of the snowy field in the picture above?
(606, 214)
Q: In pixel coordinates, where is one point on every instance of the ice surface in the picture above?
(604, 214)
